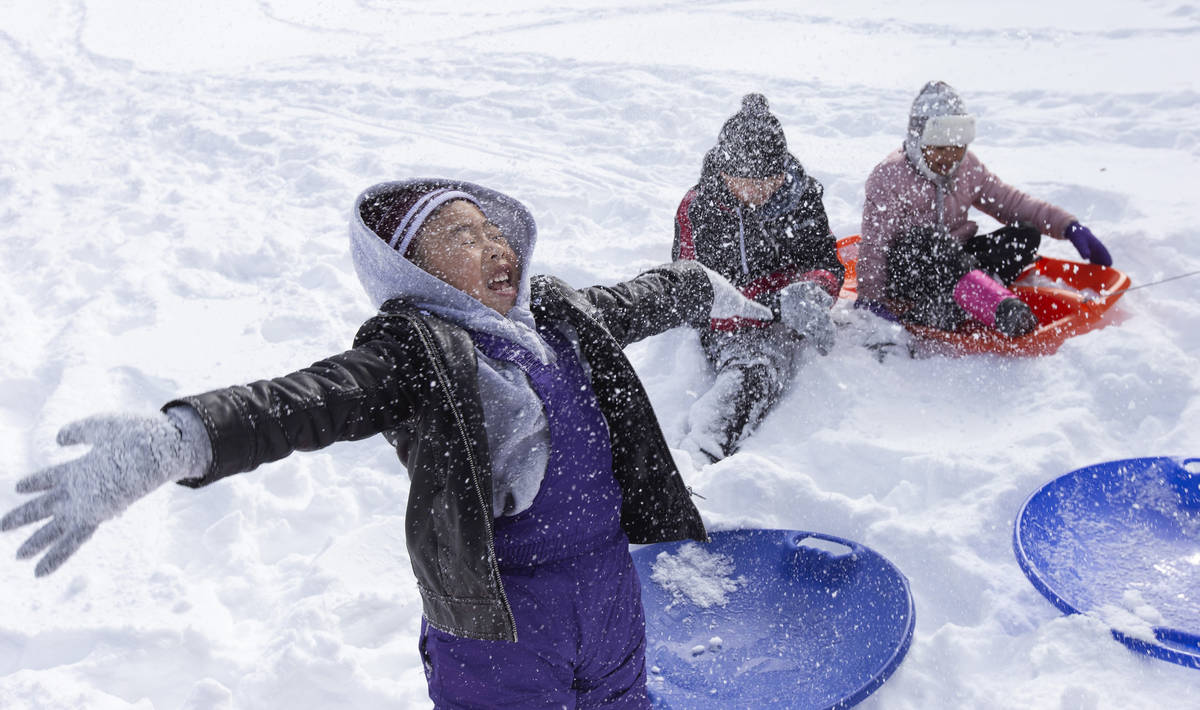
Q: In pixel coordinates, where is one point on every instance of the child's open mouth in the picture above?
(502, 280)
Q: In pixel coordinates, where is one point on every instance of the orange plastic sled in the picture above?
(1067, 297)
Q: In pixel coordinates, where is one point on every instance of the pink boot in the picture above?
(994, 305)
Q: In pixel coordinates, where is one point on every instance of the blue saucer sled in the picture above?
(1101, 536)
(791, 619)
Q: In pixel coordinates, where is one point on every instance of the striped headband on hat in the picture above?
(420, 211)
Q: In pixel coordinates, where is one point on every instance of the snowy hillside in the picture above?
(175, 181)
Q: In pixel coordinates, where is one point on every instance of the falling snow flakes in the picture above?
(702, 578)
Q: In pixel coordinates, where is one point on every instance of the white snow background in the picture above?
(175, 180)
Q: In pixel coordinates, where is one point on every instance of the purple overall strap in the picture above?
(578, 507)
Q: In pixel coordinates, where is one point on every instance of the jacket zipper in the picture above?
(427, 341)
(742, 241)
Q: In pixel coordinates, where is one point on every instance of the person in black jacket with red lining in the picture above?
(533, 452)
(756, 218)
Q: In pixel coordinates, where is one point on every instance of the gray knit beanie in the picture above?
(751, 143)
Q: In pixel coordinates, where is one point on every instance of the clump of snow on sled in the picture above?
(696, 575)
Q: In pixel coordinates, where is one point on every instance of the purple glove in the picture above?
(1088, 246)
(877, 308)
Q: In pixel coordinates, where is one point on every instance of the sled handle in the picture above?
(837, 548)
(1187, 484)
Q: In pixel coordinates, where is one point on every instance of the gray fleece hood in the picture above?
(936, 99)
(387, 275)
(518, 434)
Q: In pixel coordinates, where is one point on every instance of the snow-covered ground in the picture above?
(174, 185)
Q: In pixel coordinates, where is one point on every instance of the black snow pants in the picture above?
(925, 264)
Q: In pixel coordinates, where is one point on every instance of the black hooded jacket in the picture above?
(412, 377)
(763, 249)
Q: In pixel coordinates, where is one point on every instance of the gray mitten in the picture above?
(804, 307)
(131, 455)
(728, 301)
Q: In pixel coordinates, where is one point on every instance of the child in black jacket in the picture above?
(532, 448)
(756, 218)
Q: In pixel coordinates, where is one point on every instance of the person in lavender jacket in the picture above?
(922, 260)
(533, 453)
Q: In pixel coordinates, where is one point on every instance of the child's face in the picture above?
(753, 191)
(460, 246)
(941, 159)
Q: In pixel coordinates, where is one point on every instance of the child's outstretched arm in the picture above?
(198, 440)
(361, 392)
(681, 293)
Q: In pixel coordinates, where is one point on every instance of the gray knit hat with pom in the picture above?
(751, 143)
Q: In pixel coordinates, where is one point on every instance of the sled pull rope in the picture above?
(1134, 288)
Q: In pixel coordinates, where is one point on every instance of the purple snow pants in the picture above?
(581, 634)
(581, 641)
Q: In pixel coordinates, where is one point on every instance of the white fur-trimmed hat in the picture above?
(948, 130)
(939, 117)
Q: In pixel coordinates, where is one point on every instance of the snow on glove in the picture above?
(804, 307)
(131, 455)
(1088, 246)
(728, 301)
